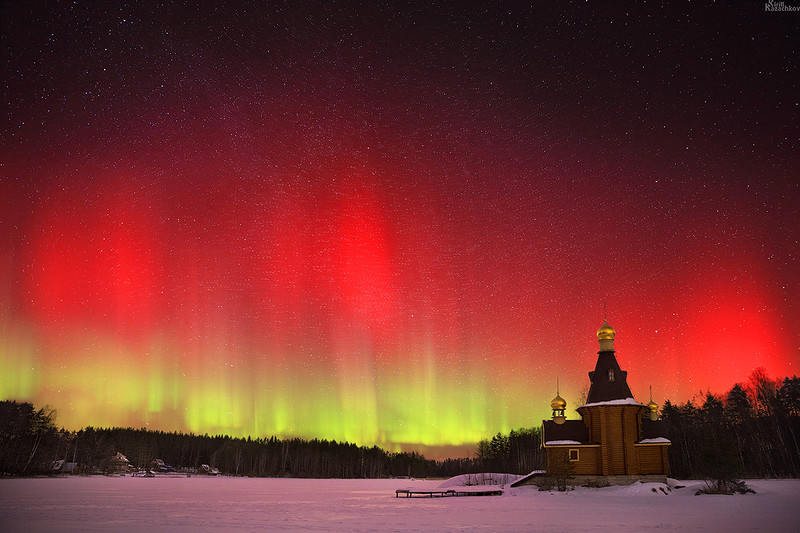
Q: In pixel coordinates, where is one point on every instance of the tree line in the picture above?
(30, 444)
(751, 431)
(519, 452)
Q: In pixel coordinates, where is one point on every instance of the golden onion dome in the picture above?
(653, 406)
(558, 403)
(605, 332)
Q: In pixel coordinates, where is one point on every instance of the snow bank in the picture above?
(490, 480)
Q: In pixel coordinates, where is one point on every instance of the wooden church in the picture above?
(618, 440)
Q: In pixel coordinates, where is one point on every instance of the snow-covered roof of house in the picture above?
(657, 440)
(625, 401)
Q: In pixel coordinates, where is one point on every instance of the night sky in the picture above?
(391, 223)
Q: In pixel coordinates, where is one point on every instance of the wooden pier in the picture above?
(408, 493)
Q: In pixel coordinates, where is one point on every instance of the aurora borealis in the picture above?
(391, 223)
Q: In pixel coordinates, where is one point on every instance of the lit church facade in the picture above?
(618, 440)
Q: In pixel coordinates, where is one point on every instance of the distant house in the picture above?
(62, 466)
(158, 465)
(618, 440)
(118, 464)
(207, 470)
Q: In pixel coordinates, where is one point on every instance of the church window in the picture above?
(610, 374)
(573, 454)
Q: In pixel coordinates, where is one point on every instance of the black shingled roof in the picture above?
(652, 429)
(603, 388)
(570, 430)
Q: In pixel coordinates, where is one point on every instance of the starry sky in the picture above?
(389, 222)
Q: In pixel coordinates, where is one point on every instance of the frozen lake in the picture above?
(228, 504)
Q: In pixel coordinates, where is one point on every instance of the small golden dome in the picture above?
(558, 403)
(605, 332)
(652, 410)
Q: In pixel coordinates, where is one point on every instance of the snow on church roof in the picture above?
(625, 401)
(657, 440)
(561, 442)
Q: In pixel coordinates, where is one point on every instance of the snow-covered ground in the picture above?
(225, 504)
